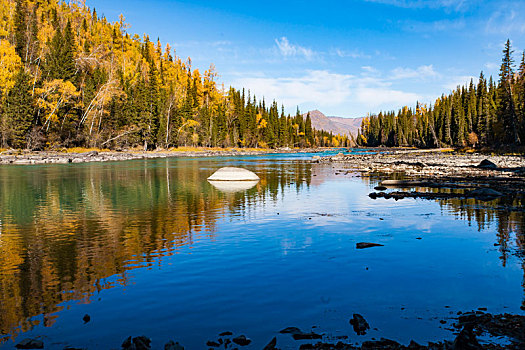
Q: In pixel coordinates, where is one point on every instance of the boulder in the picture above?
(171, 345)
(487, 164)
(233, 174)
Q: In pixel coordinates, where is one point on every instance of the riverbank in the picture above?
(435, 174)
(19, 157)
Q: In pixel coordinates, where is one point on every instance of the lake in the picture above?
(151, 248)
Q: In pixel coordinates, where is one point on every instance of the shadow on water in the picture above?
(68, 232)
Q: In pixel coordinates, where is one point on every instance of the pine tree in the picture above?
(506, 108)
(60, 61)
(19, 110)
(20, 24)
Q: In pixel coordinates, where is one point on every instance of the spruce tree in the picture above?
(20, 24)
(19, 110)
(506, 108)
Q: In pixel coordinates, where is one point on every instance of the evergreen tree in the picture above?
(506, 108)
(19, 110)
(20, 24)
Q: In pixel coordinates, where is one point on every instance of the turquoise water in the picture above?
(150, 247)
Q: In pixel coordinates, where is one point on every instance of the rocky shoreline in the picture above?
(435, 174)
(17, 157)
(471, 330)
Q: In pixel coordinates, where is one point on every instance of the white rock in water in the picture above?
(233, 174)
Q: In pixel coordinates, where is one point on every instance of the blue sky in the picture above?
(345, 58)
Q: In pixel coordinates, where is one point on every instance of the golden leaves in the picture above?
(10, 63)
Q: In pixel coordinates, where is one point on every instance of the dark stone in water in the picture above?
(485, 193)
(291, 330)
(359, 323)
(380, 188)
(363, 245)
(30, 344)
(137, 343)
(225, 333)
(271, 345)
(381, 344)
(86, 318)
(303, 336)
(466, 340)
(487, 164)
(171, 345)
(213, 344)
(241, 340)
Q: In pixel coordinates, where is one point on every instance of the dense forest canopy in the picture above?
(486, 114)
(71, 78)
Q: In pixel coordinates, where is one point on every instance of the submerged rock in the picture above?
(86, 318)
(213, 344)
(485, 193)
(303, 336)
(30, 344)
(137, 343)
(241, 340)
(233, 174)
(359, 323)
(171, 345)
(466, 340)
(363, 245)
(291, 330)
(271, 345)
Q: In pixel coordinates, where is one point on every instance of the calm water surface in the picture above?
(150, 247)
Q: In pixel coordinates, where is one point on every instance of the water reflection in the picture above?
(65, 230)
(233, 186)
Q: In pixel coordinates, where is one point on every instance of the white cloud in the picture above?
(290, 50)
(316, 87)
(324, 89)
(421, 72)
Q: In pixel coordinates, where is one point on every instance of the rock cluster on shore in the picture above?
(431, 164)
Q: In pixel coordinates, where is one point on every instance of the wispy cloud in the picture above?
(287, 49)
(434, 26)
(421, 72)
(455, 5)
(508, 19)
(349, 53)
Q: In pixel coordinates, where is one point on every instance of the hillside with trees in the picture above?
(482, 114)
(71, 78)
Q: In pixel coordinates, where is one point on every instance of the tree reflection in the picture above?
(65, 230)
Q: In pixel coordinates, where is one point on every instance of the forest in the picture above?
(70, 78)
(485, 114)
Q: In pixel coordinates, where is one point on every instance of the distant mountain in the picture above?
(337, 125)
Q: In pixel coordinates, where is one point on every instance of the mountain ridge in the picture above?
(334, 124)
